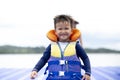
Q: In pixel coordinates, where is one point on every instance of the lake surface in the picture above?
(29, 60)
(19, 66)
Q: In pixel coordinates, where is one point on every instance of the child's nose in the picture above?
(63, 30)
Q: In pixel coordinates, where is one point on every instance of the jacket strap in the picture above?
(63, 62)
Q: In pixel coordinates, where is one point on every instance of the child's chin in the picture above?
(64, 40)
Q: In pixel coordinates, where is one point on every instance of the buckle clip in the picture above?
(61, 73)
(61, 62)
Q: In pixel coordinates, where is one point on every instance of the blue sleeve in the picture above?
(43, 60)
(82, 54)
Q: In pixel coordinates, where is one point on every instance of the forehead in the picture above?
(63, 23)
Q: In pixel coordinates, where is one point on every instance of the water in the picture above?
(29, 60)
(19, 66)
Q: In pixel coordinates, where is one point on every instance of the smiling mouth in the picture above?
(63, 34)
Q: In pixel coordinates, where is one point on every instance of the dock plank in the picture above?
(98, 73)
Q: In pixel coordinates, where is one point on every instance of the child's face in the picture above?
(63, 31)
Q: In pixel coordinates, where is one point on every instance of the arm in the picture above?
(82, 54)
(41, 62)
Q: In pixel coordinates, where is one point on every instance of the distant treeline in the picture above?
(15, 49)
(101, 50)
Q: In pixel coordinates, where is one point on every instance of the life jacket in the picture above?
(74, 36)
(64, 65)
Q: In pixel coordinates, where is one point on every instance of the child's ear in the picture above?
(51, 35)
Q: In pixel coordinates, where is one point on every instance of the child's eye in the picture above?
(66, 28)
(59, 28)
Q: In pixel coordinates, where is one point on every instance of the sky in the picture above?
(26, 22)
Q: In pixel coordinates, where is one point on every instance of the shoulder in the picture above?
(48, 47)
(78, 46)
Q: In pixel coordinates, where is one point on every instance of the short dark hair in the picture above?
(76, 22)
(62, 18)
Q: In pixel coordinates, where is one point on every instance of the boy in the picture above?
(74, 23)
(63, 54)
